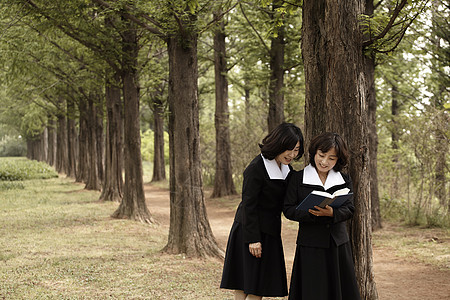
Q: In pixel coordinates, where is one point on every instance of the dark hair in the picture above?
(324, 142)
(284, 137)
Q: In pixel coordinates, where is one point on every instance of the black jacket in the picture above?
(317, 231)
(262, 202)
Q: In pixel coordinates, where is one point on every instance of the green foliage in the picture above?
(12, 146)
(147, 143)
(11, 185)
(413, 169)
(16, 169)
(374, 26)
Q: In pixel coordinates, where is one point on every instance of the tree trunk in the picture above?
(133, 204)
(159, 165)
(189, 230)
(369, 61)
(71, 139)
(43, 145)
(33, 148)
(394, 113)
(395, 136)
(276, 96)
(373, 143)
(51, 135)
(61, 145)
(93, 182)
(81, 174)
(112, 188)
(442, 117)
(99, 116)
(247, 107)
(336, 101)
(223, 179)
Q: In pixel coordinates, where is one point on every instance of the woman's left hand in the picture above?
(322, 212)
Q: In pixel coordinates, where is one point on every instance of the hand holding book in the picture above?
(322, 199)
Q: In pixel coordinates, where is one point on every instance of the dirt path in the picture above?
(396, 278)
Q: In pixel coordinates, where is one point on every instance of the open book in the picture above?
(322, 199)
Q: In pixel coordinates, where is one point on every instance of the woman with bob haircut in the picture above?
(254, 262)
(323, 265)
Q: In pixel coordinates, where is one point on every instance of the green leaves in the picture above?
(17, 169)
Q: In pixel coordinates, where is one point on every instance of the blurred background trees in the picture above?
(62, 90)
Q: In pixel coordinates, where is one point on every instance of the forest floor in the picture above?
(57, 241)
(404, 263)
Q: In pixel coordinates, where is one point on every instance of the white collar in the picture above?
(273, 170)
(311, 177)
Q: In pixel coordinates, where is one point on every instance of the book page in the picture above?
(340, 192)
(323, 194)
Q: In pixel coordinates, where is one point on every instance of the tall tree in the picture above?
(189, 230)
(133, 204)
(336, 101)
(376, 41)
(223, 178)
(112, 186)
(369, 62)
(82, 166)
(159, 165)
(277, 67)
(93, 182)
(439, 49)
(71, 138)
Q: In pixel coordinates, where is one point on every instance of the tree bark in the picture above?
(159, 165)
(93, 182)
(336, 101)
(276, 94)
(61, 145)
(99, 136)
(51, 135)
(133, 204)
(395, 107)
(442, 117)
(223, 179)
(189, 231)
(81, 174)
(71, 139)
(112, 187)
(369, 61)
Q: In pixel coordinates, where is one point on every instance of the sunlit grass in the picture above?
(428, 245)
(58, 242)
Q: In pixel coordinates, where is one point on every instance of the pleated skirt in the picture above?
(265, 276)
(323, 274)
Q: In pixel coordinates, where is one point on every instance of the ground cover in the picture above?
(57, 241)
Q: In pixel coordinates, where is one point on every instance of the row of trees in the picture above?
(79, 75)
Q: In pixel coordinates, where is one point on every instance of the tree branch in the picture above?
(254, 29)
(394, 16)
(136, 20)
(403, 32)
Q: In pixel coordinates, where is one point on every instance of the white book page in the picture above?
(321, 193)
(340, 192)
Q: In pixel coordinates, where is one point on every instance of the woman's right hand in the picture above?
(255, 249)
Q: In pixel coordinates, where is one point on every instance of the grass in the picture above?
(427, 245)
(58, 242)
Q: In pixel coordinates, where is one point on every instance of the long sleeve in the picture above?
(251, 188)
(291, 198)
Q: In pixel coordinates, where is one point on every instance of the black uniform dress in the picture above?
(323, 267)
(258, 219)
